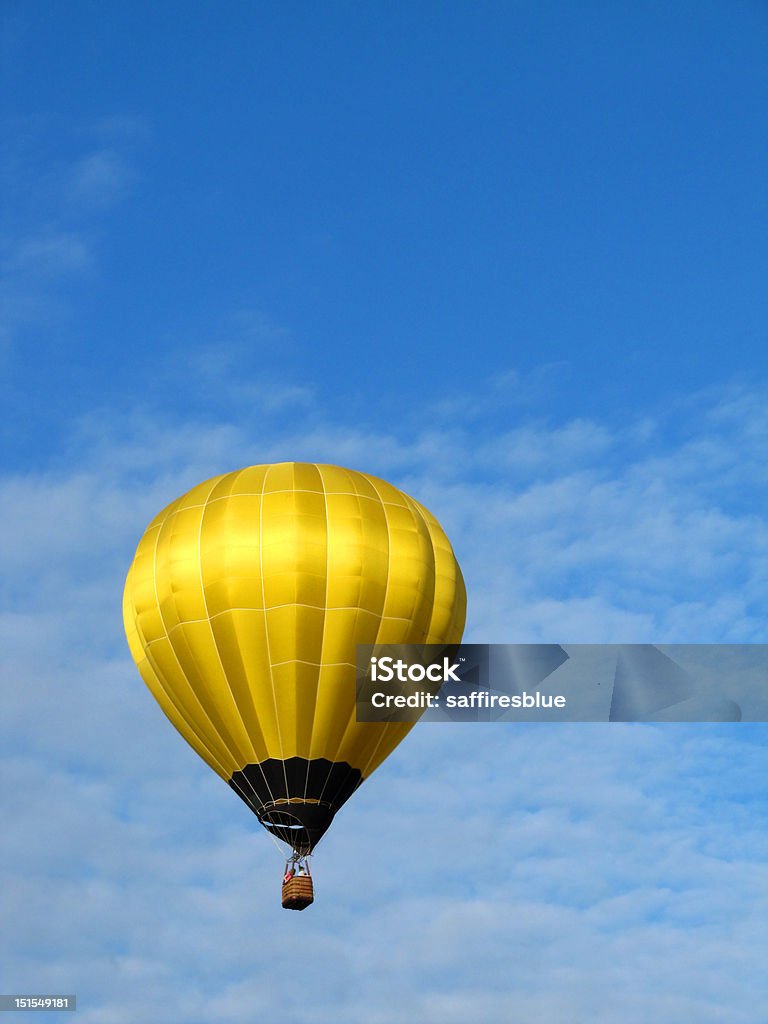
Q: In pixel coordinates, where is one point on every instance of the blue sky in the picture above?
(510, 257)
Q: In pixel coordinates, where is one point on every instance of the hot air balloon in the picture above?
(243, 607)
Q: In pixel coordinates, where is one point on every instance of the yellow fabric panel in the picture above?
(201, 493)
(172, 692)
(248, 595)
(343, 623)
(328, 725)
(294, 559)
(221, 762)
(141, 596)
(177, 568)
(358, 552)
(297, 689)
(241, 637)
(172, 662)
(230, 553)
(287, 623)
(448, 582)
(371, 744)
(164, 667)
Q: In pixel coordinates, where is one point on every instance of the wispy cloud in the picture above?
(554, 870)
(47, 255)
(50, 237)
(99, 179)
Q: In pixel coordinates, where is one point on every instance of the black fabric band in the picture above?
(317, 788)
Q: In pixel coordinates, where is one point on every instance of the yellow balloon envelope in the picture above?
(243, 607)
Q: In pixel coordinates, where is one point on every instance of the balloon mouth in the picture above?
(296, 799)
(300, 825)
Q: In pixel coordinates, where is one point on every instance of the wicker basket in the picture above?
(298, 893)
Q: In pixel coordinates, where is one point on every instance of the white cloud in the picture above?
(48, 255)
(100, 179)
(603, 873)
(50, 237)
